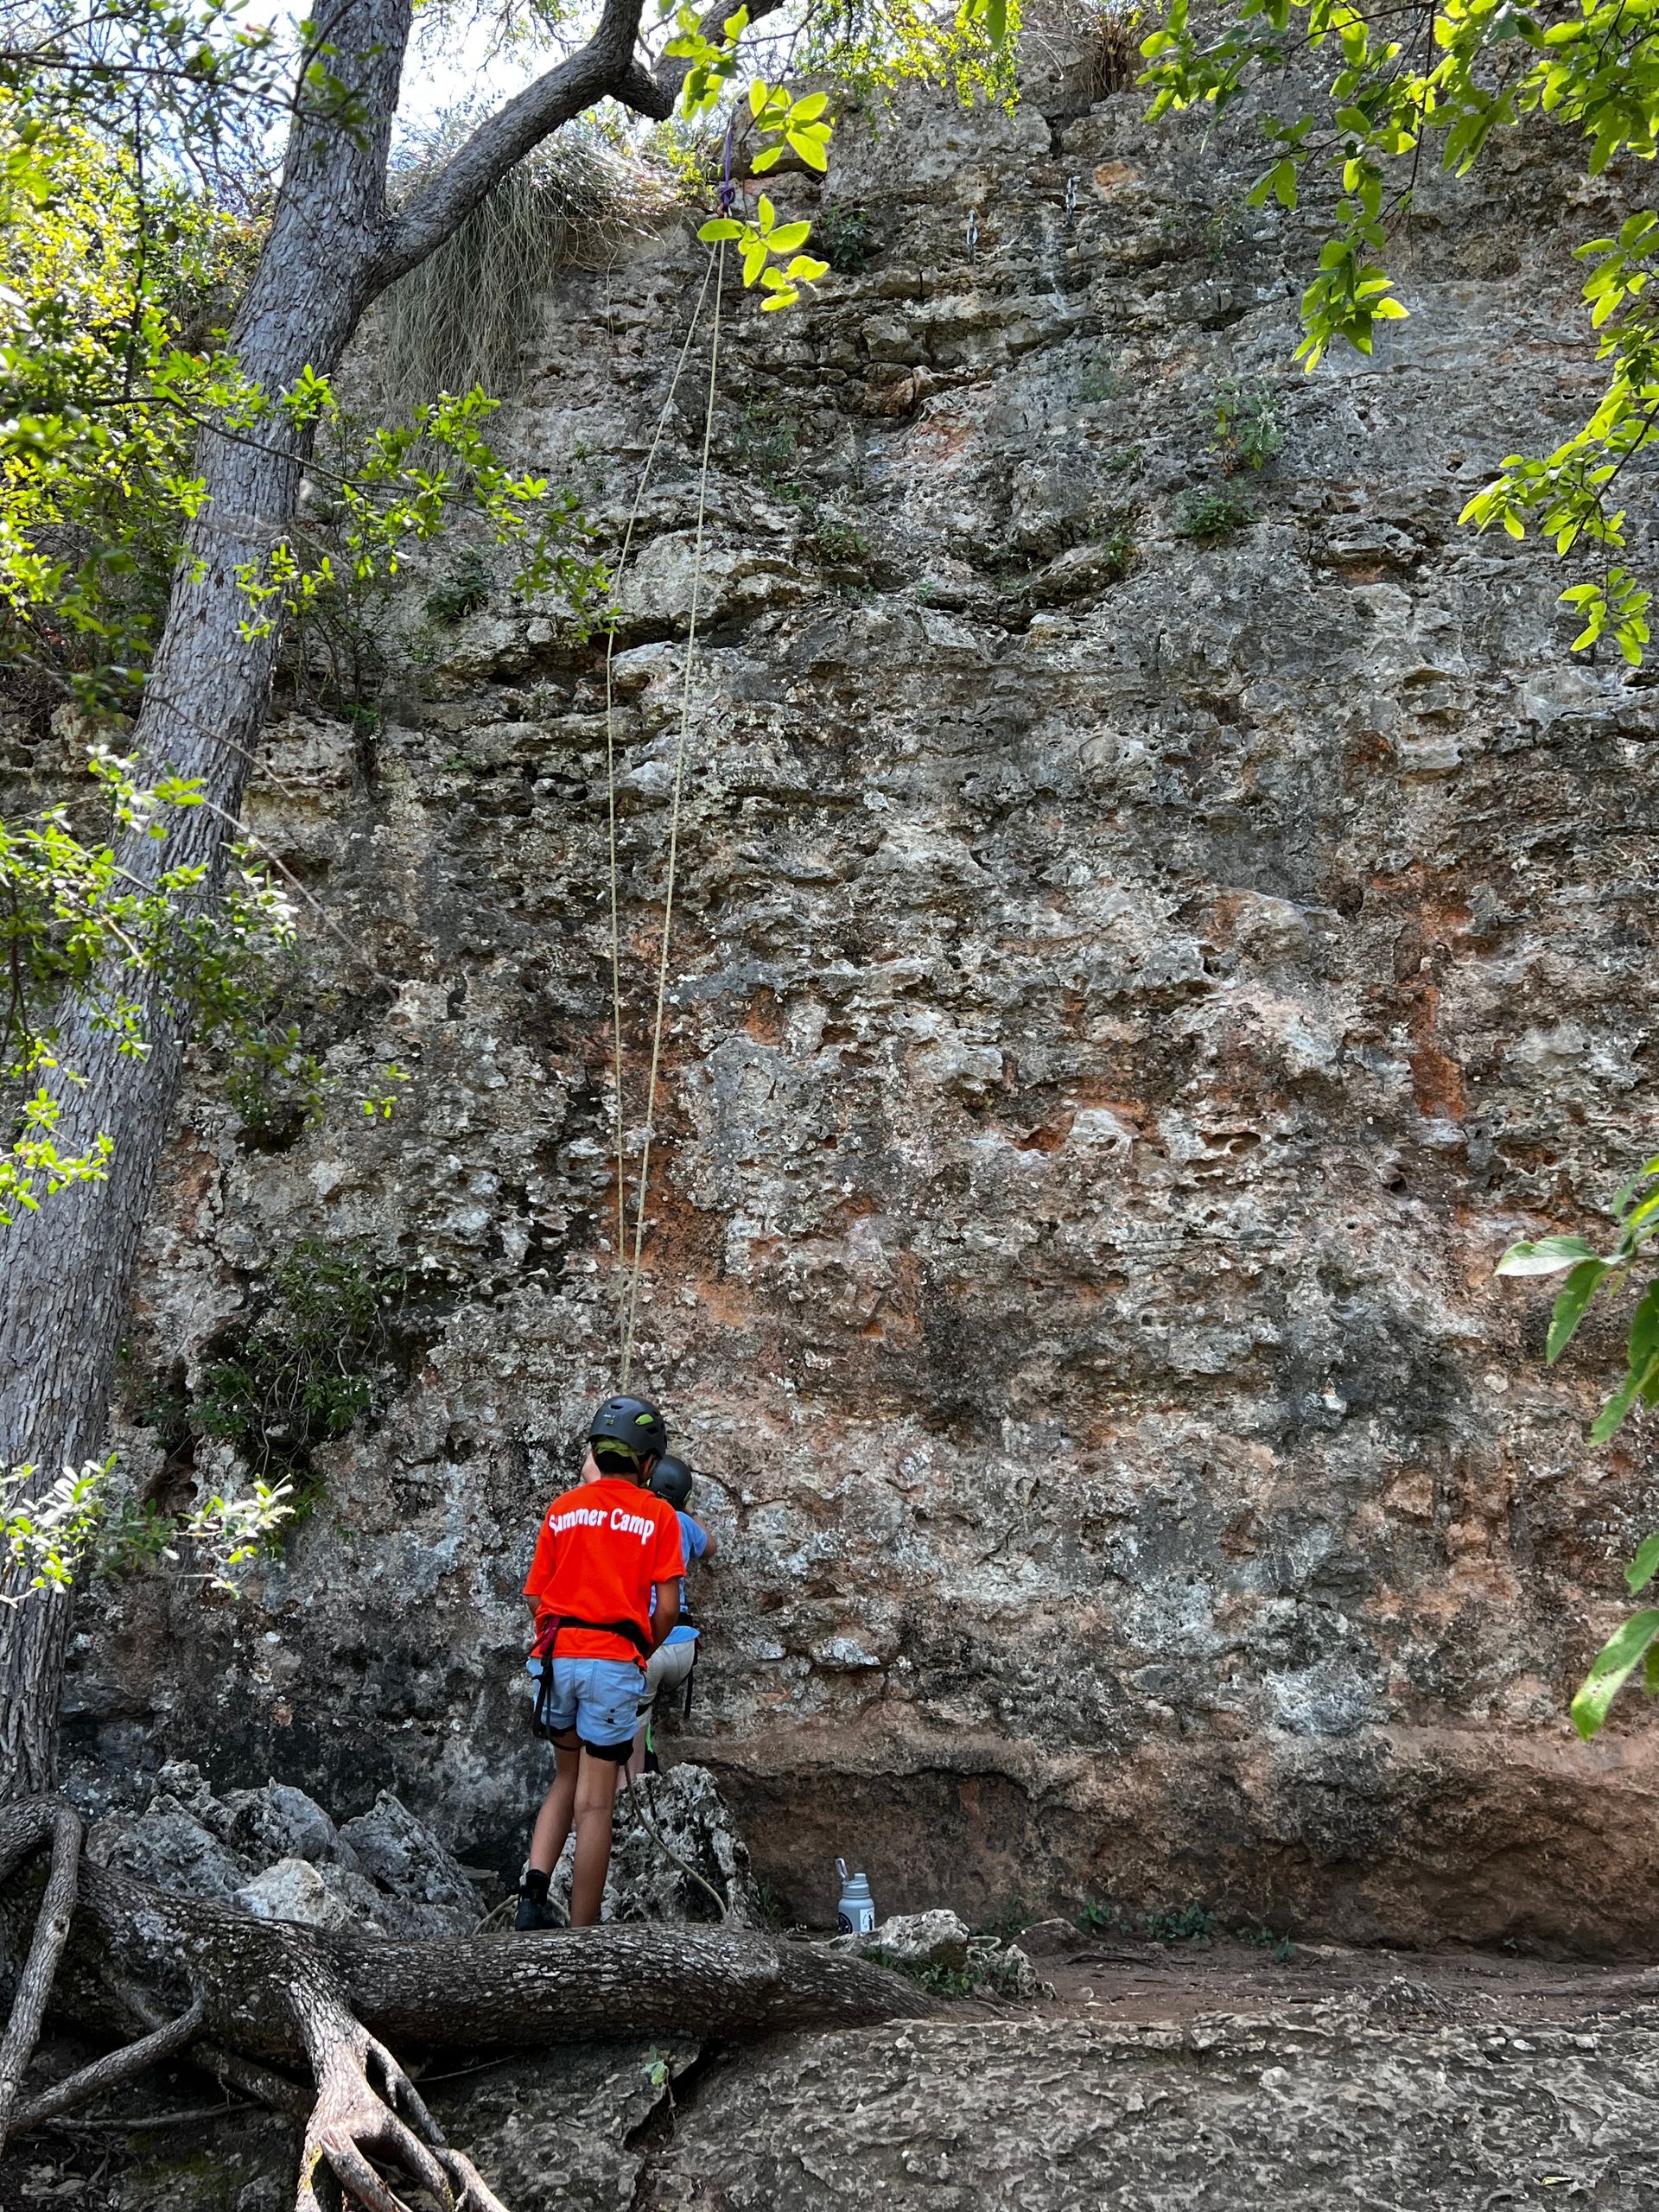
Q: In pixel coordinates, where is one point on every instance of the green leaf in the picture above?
(1642, 1568)
(718, 227)
(1610, 1669)
(788, 236)
(1611, 1419)
(1576, 1294)
(1644, 1329)
(1650, 1168)
(810, 146)
(1548, 1255)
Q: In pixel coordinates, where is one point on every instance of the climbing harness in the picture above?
(629, 1310)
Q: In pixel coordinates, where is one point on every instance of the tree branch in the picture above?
(607, 65)
(655, 93)
(602, 67)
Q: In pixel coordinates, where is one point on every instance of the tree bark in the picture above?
(482, 1992)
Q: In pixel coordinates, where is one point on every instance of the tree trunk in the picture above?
(333, 247)
(484, 1993)
(63, 1270)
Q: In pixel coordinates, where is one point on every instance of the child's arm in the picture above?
(666, 1613)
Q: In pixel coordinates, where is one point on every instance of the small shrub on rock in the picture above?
(1212, 513)
(465, 591)
(842, 234)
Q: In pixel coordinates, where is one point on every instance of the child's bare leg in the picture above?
(558, 1809)
(595, 1797)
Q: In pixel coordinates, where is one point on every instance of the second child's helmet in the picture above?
(635, 1424)
(672, 1482)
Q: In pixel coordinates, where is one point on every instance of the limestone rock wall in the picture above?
(1126, 990)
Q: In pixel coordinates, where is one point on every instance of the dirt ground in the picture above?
(1132, 1979)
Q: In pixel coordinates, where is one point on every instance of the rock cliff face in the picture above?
(1127, 988)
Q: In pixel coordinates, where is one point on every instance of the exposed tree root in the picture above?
(273, 2090)
(354, 2130)
(29, 1826)
(109, 2072)
(272, 1992)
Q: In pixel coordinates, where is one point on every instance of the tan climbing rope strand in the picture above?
(610, 773)
(640, 1799)
(633, 1309)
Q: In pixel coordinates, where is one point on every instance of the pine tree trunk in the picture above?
(64, 1270)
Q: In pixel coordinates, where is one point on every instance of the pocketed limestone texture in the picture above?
(1128, 987)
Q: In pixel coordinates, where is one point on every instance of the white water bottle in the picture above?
(856, 1913)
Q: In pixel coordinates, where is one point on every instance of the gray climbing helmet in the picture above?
(672, 1482)
(633, 1424)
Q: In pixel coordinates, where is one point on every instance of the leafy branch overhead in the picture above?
(1437, 83)
(759, 241)
(1588, 1273)
(794, 123)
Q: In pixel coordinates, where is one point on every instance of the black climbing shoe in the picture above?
(537, 1912)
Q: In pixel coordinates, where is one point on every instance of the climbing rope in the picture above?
(610, 750)
(640, 1799)
(631, 1307)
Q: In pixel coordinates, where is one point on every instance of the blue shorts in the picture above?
(599, 1698)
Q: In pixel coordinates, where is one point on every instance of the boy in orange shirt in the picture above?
(603, 1547)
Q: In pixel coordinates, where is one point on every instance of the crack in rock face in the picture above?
(1128, 988)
